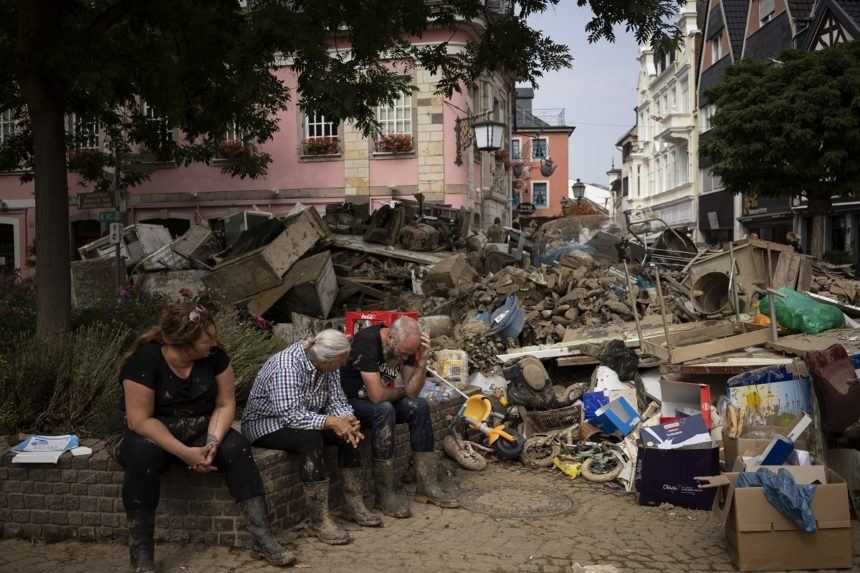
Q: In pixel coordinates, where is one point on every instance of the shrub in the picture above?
(395, 143)
(320, 146)
(247, 345)
(64, 383)
(17, 309)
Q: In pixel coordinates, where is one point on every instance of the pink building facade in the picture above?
(426, 148)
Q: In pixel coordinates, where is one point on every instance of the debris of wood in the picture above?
(709, 341)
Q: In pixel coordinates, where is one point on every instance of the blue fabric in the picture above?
(792, 500)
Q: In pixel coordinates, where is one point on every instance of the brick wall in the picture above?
(81, 498)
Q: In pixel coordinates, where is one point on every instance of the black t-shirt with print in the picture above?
(367, 355)
(175, 396)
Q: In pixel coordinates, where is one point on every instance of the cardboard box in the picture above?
(760, 538)
(686, 432)
(668, 476)
(736, 447)
(679, 398)
(617, 417)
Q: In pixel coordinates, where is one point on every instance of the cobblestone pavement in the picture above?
(516, 521)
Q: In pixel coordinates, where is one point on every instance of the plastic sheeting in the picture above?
(790, 499)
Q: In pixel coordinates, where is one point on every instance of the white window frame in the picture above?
(396, 119)
(518, 155)
(716, 45)
(766, 10)
(8, 124)
(93, 141)
(706, 115)
(548, 202)
(328, 129)
(149, 113)
(684, 94)
(546, 146)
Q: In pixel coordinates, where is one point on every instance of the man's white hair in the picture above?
(403, 328)
(329, 344)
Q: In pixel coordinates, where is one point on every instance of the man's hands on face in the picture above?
(423, 350)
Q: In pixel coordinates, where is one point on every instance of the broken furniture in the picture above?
(703, 342)
(309, 287)
(238, 223)
(138, 241)
(262, 269)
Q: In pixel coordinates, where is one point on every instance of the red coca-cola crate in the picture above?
(355, 320)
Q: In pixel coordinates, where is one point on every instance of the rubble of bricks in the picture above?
(81, 498)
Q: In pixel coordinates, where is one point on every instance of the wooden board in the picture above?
(705, 342)
(804, 276)
(262, 269)
(580, 339)
(356, 243)
(801, 344)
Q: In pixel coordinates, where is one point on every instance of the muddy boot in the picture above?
(322, 524)
(141, 540)
(353, 494)
(266, 547)
(392, 503)
(428, 490)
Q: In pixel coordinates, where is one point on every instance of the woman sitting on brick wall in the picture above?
(179, 402)
(297, 404)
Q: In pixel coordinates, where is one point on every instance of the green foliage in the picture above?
(789, 127)
(17, 310)
(65, 383)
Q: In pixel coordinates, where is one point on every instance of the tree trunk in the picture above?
(39, 34)
(819, 209)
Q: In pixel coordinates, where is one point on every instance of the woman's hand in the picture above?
(196, 459)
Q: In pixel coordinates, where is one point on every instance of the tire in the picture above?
(539, 452)
(600, 478)
(509, 451)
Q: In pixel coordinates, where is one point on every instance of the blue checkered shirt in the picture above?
(290, 392)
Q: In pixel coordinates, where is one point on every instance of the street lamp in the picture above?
(578, 190)
(488, 134)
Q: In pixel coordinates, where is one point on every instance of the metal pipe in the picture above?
(662, 311)
(733, 285)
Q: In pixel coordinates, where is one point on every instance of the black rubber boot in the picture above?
(428, 490)
(266, 547)
(353, 493)
(322, 524)
(393, 504)
(141, 540)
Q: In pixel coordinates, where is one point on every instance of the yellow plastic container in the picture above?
(453, 365)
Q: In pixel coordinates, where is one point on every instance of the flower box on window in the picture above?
(395, 143)
(232, 150)
(321, 146)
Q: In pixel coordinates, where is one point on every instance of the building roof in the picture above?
(736, 24)
(800, 8)
(852, 9)
(627, 135)
(525, 93)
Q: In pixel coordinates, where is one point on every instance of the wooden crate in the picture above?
(310, 287)
(703, 342)
(262, 269)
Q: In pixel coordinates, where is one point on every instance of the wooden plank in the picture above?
(576, 361)
(705, 342)
(368, 290)
(717, 346)
(356, 243)
(801, 344)
(793, 269)
(804, 276)
(781, 275)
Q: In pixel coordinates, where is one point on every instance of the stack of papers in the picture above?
(43, 449)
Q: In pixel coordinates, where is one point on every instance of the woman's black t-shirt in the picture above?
(175, 396)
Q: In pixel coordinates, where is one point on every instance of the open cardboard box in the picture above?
(760, 538)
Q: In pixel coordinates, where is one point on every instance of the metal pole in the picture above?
(116, 205)
(663, 310)
(734, 281)
(774, 331)
(633, 303)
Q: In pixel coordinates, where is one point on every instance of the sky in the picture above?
(598, 92)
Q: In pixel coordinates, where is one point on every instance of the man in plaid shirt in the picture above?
(297, 405)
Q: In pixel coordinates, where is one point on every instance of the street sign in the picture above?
(526, 209)
(115, 235)
(95, 200)
(109, 216)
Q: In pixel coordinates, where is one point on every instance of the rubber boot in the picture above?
(353, 494)
(393, 504)
(322, 524)
(427, 489)
(141, 540)
(266, 547)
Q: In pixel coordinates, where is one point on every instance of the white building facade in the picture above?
(661, 169)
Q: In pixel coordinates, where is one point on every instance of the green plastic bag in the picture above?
(800, 313)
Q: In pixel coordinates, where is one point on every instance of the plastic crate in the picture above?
(355, 320)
